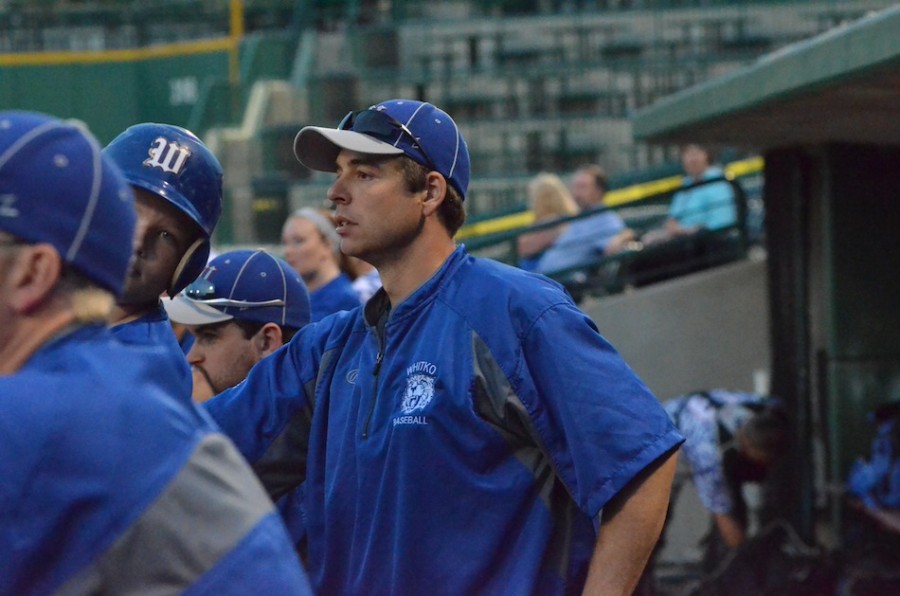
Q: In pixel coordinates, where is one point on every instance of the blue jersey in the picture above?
(109, 485)
(464, 441)
(154, 329)
(336, 295)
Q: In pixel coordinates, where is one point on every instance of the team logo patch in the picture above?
(167, 155)
(419, 392)
(420, 382)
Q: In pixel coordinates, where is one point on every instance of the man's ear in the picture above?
(435, 192)
(268, 339)
(33, 275)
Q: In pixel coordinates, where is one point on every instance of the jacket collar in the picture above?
(379, 304)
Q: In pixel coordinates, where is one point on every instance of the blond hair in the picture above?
(88, 302)
(92, 306)
(549, 197)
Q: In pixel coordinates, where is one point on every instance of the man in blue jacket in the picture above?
(108, 483)
(469, 430)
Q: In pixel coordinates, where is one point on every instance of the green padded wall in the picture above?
(112, 95)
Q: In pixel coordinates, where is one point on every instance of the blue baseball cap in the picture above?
(248, 285)
(419, 130)
(57, 187)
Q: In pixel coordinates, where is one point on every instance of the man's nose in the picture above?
(195, 355)
(337, 192)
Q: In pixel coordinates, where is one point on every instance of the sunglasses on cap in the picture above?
(203, 290)
(379, 124)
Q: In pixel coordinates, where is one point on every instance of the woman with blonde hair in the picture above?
(548, 199)
(313, 248)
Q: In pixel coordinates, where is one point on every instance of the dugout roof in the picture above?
(840, 86)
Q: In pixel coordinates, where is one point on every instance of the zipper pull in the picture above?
(378, 358)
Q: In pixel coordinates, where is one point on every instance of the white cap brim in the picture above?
(190, 312)
(317, 148)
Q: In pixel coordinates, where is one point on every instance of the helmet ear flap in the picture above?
(190, 266)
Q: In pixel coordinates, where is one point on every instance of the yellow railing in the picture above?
(230, 44)
(614, 198)
(219, 44)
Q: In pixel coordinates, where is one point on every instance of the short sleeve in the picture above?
(597, 420)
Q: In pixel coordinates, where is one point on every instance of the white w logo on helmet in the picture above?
(167, 155)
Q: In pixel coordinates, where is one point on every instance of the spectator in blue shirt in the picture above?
(710, 206)
(585, 240)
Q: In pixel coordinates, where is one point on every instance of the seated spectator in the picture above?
(548, 199)
(706, 207)
(679, 247)
(585, 240)
(313, 248)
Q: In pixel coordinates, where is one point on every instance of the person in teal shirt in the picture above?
(708, 206)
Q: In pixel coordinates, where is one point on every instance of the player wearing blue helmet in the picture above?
(108, 484)
(177, 183)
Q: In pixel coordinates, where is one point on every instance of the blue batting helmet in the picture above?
(172, 163)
